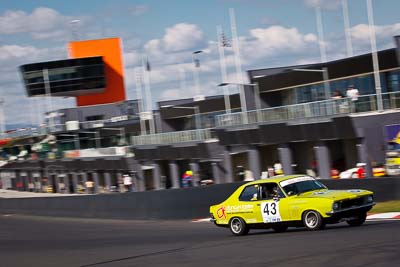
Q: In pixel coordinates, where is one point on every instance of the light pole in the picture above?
(139, 96)
(375, 60)
(238, 64)
(196, 66)
(74, 29)
(222, 43)
(49, 103)
(346, 20)
(2, 118)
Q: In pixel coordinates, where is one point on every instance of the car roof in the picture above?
(276, 179)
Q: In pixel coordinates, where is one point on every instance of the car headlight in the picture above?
(335, 206)
(370, 199)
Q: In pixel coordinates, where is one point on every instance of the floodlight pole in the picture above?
(235, 43)
(375, 61)
(48, 97)
(196, 77)
(2, 118)
(224, 75)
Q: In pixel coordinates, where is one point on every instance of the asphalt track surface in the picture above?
(43, 241)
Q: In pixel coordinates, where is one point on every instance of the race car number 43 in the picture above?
(270, 212)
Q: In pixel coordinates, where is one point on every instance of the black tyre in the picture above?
(280, 228)
(358, 221)
(313, 221)
(238, 226)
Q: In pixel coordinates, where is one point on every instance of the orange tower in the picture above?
(110, 50)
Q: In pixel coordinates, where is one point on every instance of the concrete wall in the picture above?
(166, 204)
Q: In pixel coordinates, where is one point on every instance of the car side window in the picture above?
(271, 191)
(249, 193)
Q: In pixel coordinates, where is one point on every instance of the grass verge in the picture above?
(387, 206)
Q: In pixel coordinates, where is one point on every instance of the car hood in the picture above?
(336, 194)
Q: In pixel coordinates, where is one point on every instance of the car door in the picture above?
(248, 205)
(273, 205)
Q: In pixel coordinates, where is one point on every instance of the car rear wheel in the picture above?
(357, 221)
(312, 220)
(280, 228)
(238, 226)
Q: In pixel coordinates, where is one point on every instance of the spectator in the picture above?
(278, 169)
(90, 186)
(337, 95)
(353, 94)
(127, 182)
(248, 176)
(361, 170)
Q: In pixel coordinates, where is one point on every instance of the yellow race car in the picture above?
(296, 200)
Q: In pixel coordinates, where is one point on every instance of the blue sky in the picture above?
(271, 33)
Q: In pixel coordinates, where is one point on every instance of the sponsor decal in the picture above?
(321, 193)
(296, 180)
(221, 213)
(245, 208)
(354, 190)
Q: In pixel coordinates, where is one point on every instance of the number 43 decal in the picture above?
(270, 207)
(270, 212)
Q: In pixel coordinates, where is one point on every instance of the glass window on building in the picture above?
(365, 84)
(339, 86)
(393, 79)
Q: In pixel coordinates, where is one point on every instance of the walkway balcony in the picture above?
(173, 137)
(319, 110)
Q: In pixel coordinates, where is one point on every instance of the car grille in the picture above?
(345, 204)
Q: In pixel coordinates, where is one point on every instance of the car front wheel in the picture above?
(238, 226)
(357, 221)
(312, 220)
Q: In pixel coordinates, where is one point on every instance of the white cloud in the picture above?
(275, 40)
(42, 23)
(13, 55)
(325, 4)
(360, 32)
(10, 52)
(180, 37)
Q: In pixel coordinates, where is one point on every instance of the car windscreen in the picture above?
(301, 185)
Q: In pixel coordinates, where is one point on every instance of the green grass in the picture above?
(388, 206)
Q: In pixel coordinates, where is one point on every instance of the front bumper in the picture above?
(352, 210)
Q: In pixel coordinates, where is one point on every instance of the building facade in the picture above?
(297, 116)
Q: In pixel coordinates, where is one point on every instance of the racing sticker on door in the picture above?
(270, 212)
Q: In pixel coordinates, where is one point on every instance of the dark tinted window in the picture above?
(249, 193)
(271, 191)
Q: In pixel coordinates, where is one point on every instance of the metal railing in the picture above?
(314, 110)
(172, 137)
(25, 132)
